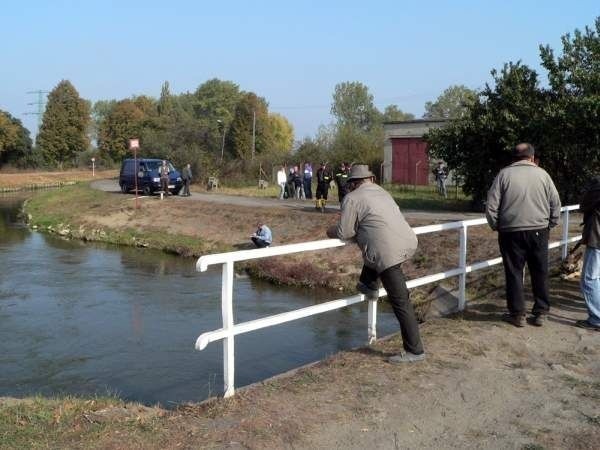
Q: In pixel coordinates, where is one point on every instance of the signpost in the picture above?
(134, 144)
(93, 167)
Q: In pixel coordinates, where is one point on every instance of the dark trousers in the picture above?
(322, 190)
(164, 185)
(308, 187)
(186, 187)
(518, 248)
(394, 282)
(260, 243)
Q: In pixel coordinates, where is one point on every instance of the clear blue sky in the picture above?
(292, 53)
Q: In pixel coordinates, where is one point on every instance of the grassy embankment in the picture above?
(30, 180)
(71, 213)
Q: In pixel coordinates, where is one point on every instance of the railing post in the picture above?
(565, 234)
(372, 327)
(462, 263)
(227, 313)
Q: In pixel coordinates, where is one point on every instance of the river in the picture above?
(86, 319)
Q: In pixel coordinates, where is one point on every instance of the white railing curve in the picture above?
(227, 260)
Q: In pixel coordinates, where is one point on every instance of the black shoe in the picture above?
(369, 293)
(518, 320)
(588, 326)
(537, 320)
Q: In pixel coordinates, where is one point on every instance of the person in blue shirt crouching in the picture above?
(262, 237)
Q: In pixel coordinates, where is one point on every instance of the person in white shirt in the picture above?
(281, 181)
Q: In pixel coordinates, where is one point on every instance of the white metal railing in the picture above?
(227, 260)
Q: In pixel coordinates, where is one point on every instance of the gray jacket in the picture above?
(590, 207)
(371, 217)
(522, 197)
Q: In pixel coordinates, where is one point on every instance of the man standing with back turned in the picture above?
(522, 205)
(371, 217)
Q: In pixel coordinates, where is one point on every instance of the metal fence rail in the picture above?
(227, 260)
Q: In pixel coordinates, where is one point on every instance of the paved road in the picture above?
(303, 205)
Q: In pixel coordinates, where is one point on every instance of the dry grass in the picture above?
(35, 178)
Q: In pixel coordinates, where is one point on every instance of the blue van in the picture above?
(148, 178)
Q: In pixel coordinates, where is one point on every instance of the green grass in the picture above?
(408, 197)
(426, 198)
(39, 422)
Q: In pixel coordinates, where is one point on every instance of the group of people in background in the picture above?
(296, 182)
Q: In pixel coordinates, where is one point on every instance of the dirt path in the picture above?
(299, 205)
(485, 384)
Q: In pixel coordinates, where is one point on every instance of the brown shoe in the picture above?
(518, 320)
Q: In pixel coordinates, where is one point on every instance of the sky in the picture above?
(291, 53)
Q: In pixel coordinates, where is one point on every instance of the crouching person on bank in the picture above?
(371, 217)
(590, 274)
(262, 237)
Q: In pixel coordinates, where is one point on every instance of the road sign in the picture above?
(134, 144)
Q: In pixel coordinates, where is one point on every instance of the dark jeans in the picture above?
(186, 187)
(394, 283)
(518, 248)
(260, 243)
(308, 187)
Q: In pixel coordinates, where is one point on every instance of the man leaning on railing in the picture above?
(371, 217)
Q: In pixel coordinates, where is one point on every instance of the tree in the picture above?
(562, 121)
(572, 138)
(453, 103)
(478, 144)
(165, 102)
(64, 129)
(392, 113)
(124, 122)
(239, 143)
(8, 132)
(282, 133)
(353, 106)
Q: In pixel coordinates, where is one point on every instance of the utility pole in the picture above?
(41, 103)
(253, 132)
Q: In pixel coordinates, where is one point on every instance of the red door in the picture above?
(410, 164)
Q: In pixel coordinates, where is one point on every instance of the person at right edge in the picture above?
(590, 273)
(371, 217)
(522, 205)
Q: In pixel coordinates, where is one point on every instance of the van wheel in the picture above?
(147, 191)
(124, 189)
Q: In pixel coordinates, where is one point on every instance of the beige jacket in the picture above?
(371, 217)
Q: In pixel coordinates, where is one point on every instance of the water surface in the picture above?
(88, 319)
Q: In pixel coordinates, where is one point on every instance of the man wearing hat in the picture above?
(522, 205)
(371, 217)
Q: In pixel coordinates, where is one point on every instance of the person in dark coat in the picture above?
(324, 179)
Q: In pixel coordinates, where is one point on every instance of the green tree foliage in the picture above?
(123, 122)
(353, 106)
(392, 113)
(562, 121)
(453, 103)
(65, 126)
(15, 143)
(249, 110)
(282, 134)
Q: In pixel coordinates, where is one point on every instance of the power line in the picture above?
(41, 103)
